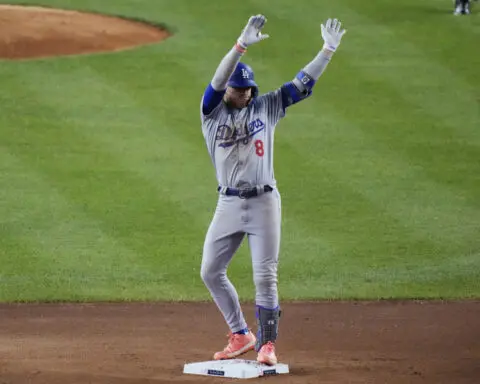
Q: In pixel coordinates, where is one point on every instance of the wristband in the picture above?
(329, 47)
(240, 47)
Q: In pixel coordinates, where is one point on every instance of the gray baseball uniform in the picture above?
(240, 144)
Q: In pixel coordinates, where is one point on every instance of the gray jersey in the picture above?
(240, 142)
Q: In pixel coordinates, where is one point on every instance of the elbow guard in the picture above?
(297, 90)
(304, 82)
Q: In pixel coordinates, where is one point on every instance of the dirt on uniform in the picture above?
(323, 342)
(33, 32)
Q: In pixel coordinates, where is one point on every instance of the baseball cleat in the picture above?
(266, 354)
(458, 10)
(237, 345)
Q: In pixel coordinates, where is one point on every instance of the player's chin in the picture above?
(242, 102)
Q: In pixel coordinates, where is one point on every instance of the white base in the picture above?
(237, 368)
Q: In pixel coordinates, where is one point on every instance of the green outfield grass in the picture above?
(107, 189)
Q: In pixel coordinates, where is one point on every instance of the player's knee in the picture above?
(205, 275)
(265, 282)
(210, 276)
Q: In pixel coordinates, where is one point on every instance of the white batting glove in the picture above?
(332, 35)
(251, 33)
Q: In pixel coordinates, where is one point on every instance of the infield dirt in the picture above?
(36, 32)
(323, 342)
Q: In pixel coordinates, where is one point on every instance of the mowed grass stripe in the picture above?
(422, 80)
(432, 30)
(107, 114)
(442, 144)
(432, 25)
(124, 203)
(424, 142)
(60, 253)
(339, 244)
(396, 186)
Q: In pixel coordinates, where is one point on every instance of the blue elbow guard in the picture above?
(292, 95)
(306, 80)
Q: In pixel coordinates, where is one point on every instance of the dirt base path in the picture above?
(379, 342)
(33, 32)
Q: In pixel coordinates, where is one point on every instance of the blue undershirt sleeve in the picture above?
(211, 99)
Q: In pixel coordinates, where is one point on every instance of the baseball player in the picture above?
(238, 125)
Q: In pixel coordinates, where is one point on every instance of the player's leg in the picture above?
(265, 256)
(458, 7)
(264, 241)
(462, 7)
(218, 251)
(222, 241)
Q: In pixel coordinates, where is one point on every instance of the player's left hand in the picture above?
(332, 34)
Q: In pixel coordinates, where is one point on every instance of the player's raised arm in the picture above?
(251, 34)
(301, 86)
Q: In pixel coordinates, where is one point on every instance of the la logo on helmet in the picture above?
(245, 74)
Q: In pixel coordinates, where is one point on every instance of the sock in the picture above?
(242, 332)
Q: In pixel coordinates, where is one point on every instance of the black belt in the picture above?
(245, 193)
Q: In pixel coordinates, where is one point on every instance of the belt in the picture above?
(246, 193)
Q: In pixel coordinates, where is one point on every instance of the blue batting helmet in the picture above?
(243, 77)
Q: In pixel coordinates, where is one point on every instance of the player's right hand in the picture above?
(251, 34)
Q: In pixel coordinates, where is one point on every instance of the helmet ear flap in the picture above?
(254, 92)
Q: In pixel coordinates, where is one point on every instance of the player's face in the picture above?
(238, 97)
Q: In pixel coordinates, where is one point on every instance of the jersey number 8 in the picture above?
(259, 148)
